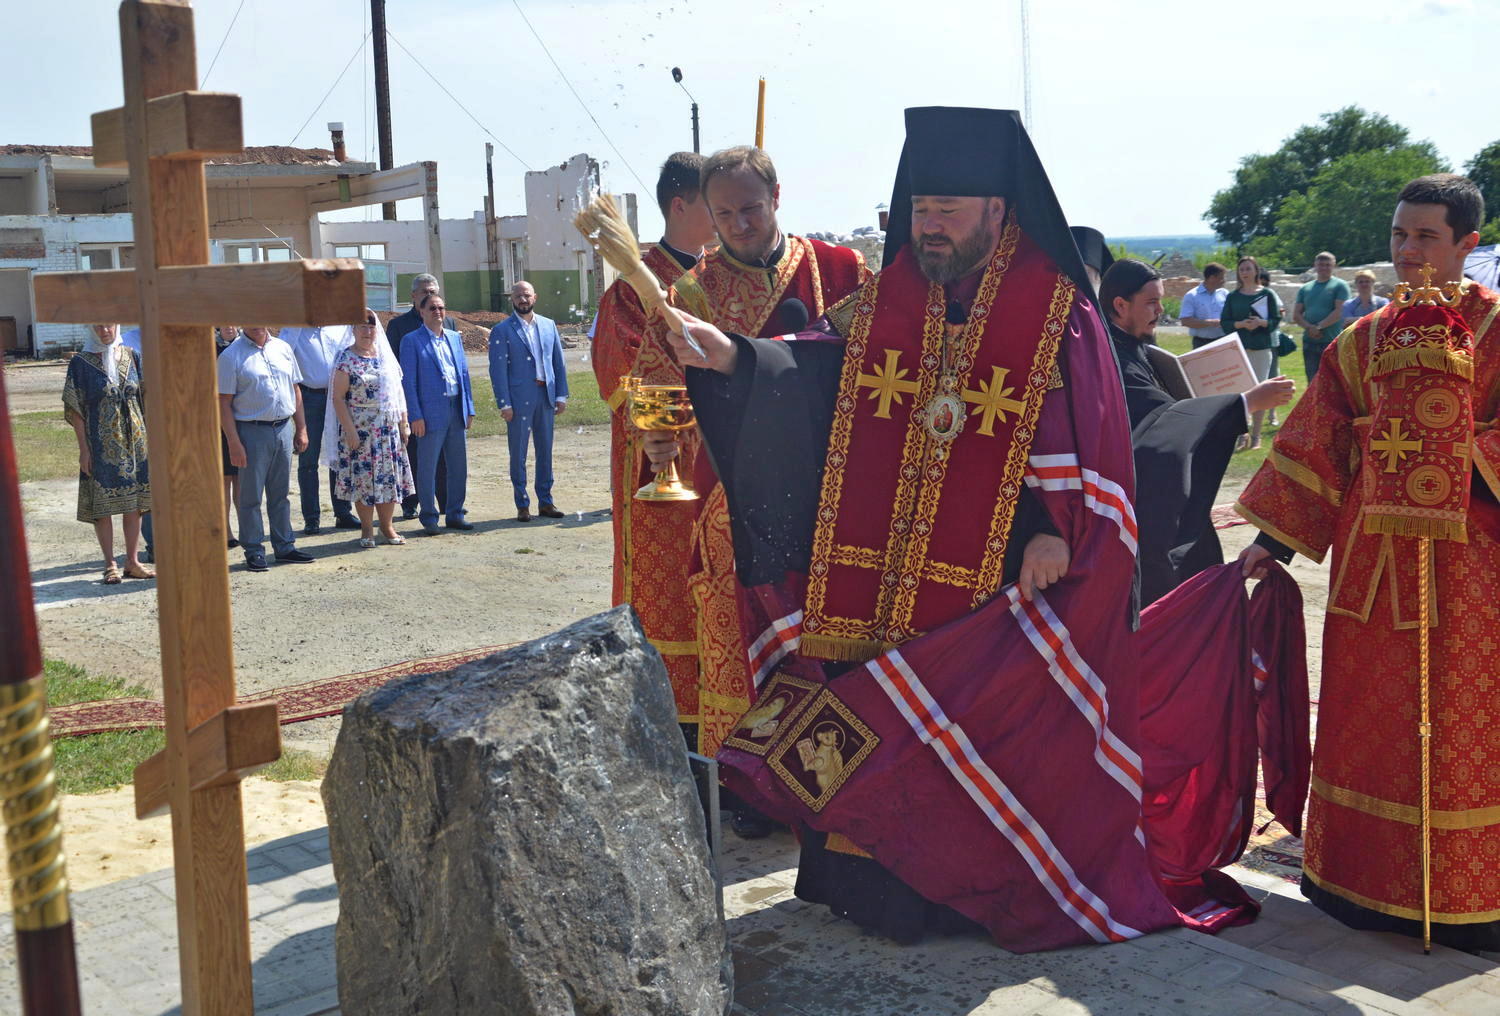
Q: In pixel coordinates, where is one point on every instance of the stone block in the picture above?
(521, 835)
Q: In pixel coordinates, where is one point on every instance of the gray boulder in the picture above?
(521, 835)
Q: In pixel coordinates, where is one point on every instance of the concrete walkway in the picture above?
(794, 959)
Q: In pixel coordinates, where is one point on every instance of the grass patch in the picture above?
(294, 764)
(97, 761)
(45, 446)
(47, 449)
(105, 761)
(585, 407)
(1243, 464)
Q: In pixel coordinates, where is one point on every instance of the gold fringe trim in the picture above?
(1410, 814)
(832, 647)
(1377, 523)
(1408, 913)
(1433, 358)
(838, 843)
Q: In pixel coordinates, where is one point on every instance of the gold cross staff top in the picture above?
(1395, 444)
(993, 400)
(887, 383)
(163, 133)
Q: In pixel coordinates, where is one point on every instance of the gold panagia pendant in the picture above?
(943, 417)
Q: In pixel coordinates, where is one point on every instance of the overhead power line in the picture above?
(221, 44)
(357, 51)
(471, 116)
(589, 113)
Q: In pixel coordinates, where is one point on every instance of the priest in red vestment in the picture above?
(930, 499)
(1398, 440)
(762, 282)
(653, 540)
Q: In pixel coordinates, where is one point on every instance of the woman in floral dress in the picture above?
(370, 468)
(102, 400)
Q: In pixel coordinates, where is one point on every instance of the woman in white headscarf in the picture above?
(102, 401)
(364, 438)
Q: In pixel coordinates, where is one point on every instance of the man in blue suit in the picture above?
(440, 407)
(531, 389)
(398, 329)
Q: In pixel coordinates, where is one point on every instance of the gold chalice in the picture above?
(660, 407)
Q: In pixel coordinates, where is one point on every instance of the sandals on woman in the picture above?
(392, 541)
(139, 572)
(112, 575)
(367, 542)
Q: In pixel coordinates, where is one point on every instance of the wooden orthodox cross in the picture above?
(163, 133)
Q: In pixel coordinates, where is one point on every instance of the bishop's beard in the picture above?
(948, 263)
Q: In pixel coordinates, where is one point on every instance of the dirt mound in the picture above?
(473, 326)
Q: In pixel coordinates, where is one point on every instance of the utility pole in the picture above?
(677, 77)
(382, 98)
(491, 237)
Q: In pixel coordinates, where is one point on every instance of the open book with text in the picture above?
(1218, 368)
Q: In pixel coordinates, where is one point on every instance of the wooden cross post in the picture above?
(164, 132)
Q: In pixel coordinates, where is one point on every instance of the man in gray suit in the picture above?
(531, 389)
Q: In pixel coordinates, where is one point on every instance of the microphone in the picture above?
(792, 316)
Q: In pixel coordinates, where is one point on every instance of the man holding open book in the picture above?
(1185, 415)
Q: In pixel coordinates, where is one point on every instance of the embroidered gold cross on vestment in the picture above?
(887, 383)
(992, 400)
(1395, 444)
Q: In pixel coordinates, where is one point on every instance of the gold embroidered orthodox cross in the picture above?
(886, 383)
(1395, 444)
(992, 400)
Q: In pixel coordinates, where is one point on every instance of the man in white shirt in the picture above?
(316, 349)
(1203, 305)
(260, 412)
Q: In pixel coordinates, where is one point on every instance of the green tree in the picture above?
(1484, 170)
(1347, 207)
(1248, 208)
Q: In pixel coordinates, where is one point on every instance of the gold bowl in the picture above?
(660, 407)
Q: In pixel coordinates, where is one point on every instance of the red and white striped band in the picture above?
(1004, 811)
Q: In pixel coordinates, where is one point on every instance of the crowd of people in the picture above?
(950, 602)
(385, 414)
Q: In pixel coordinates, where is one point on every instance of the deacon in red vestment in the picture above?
(653, 540)
(1398, 439)
(759, 282)
(930, 500)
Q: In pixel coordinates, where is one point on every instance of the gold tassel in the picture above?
(1405, 525)
(842, 650)
(1432, 357)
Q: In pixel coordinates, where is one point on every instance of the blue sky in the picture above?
(1141, 111)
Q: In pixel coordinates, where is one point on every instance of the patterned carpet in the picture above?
(1223, 516)
(297, 702)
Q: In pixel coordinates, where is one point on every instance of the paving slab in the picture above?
(793, 958)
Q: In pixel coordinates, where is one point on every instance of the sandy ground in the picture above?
(104, 841)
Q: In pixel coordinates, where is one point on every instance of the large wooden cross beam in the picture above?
(163, 133)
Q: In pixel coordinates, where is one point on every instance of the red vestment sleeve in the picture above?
(617, 340)
(1298, 494)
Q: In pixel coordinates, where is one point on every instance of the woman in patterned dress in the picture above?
(102, 400)
(369, 454)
